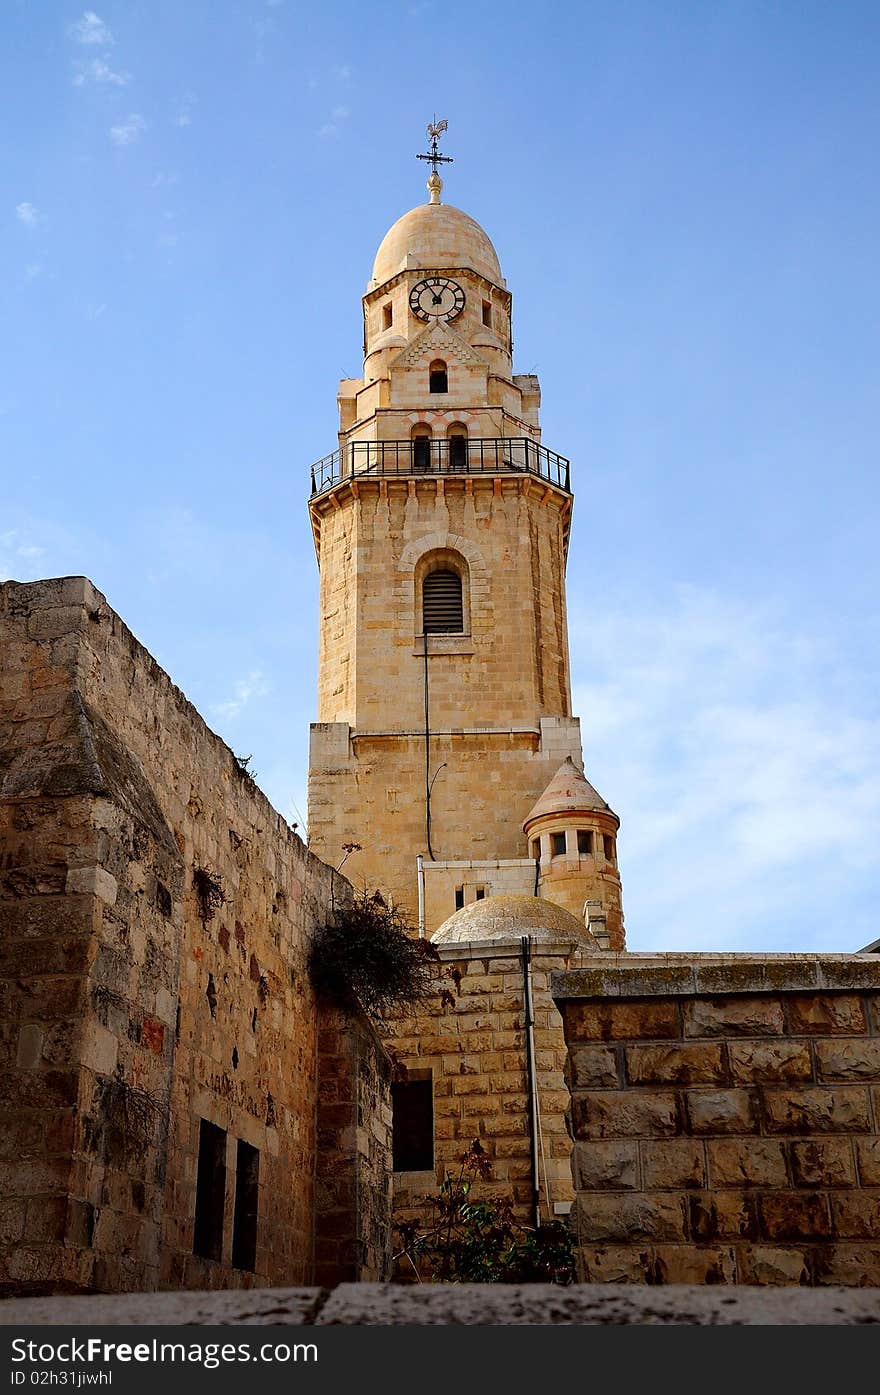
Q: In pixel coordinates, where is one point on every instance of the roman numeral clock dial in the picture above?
(436, 298)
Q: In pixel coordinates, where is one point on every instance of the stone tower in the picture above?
(441, 526)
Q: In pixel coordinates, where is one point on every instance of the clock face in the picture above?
(436, 298)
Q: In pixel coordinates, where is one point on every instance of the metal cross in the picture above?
(435, 131)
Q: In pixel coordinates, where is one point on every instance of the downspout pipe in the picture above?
(420, 870)
(531, 1076)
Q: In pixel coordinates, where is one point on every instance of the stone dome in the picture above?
(507, 918)
(436, 235)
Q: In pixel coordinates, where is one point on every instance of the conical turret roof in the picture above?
(569, 792)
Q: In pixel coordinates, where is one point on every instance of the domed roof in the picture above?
(436, 235)
(507, 918)
(569, 792)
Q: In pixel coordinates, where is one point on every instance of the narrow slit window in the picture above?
(585, 841)
(487, 314)
(557, 844)
(442, 608)
(412, 1125)
(244, 1225)
(458, 450)
(608, 845)
(438, 380)
(387, 315)
(210, 1192)
(421, 448)
(536, 849)
(459, 897)
(480, 893)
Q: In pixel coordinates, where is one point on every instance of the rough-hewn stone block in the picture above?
(620, 1021)
(746, 1162)
(612, 1165)
(592, 1068)
(789, 1215)
(681, 1064)
(721, 1111)
(868, 1158)
(675, 1163)
(770, 1060)
(625, 1114)
(773, 1264)
(817, 1109)
(821, 1014)
(744, 1017)
(858, 1059)
(722, 1215)
(823, 1162)
(694, 1264)
(857, 1214)
(630, 1216)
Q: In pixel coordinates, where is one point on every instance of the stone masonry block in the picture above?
(823, 1162)
(787, 1215)
(772, 1264)
(743, 1017)
(694, 1264)
(849, 1060)
(592, 1068)
(868, 1158)
(722, 1215)
(817, 1109)
(681, 1064)
(612, 1166)
(855, 1265)
(820, 1014)
(721, 1111)
(630, 1217)
(746, 1162)
(677, 1162)
(619, 1021)
(770, 1060)
(857, 1214)
(625, 1114)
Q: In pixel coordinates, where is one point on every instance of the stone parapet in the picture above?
(725, 1117)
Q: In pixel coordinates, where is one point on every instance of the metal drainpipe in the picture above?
(420, 868)
(531, 1076)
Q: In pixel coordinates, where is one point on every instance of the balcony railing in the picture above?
(456, 455)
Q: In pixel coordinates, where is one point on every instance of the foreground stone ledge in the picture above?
(480, 1305)
(692, 975)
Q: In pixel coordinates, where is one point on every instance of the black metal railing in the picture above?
(455, 455)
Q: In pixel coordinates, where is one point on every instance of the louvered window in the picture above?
(442, 612)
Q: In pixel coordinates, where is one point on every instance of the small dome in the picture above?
(506, 918)
(569, 792)
(436, 235)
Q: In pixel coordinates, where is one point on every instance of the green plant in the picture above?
(481, 1241)
(368, 954)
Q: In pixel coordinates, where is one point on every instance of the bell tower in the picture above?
(441, 527)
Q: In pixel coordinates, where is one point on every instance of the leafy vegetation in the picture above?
(368, 954)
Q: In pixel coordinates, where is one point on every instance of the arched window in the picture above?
(458, 451)
(421, 447)
(442, 607)
(438, 380)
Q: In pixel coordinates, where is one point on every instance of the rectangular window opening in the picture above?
(210, 1192)
(557, 844)
(608, 844)
(487, 313)
(412, 1126)
(244, 1225)
(459, 897)
(479, 893)
(536, 849)
(585, 841)
(387, 315)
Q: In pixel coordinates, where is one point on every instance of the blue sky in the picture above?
(684, 198)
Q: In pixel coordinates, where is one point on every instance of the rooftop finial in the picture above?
(435, 183)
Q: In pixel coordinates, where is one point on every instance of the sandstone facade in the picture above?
(725, 1116)
(159, 1033)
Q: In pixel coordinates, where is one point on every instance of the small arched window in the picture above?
(421, 447)
(442, 608)
(458, 450)
(438, 379)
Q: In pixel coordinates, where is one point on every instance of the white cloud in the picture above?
(337, 116)
(342, 72)
(253, 686)
(127, 131)
(745, 772)
(98, 71)
(90, 29)
(184, 112)
(18, 558)
(33, 270)
(27, 214)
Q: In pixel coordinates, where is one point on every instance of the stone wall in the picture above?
(353, 1200)
(471, 1039)
(725, 1112)
(156, 913)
